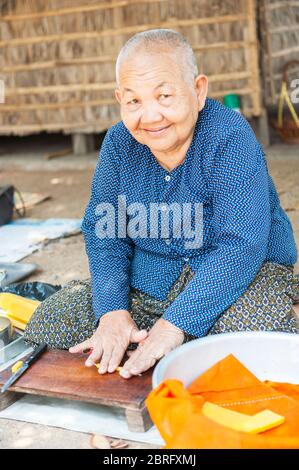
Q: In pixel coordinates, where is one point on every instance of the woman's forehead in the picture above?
(154, 87)
(154, 73)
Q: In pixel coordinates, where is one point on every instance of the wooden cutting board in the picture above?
(60, 374)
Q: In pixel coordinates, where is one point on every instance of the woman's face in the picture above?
(158, 106)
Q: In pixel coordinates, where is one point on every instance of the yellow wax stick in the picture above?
(98, 364)
(118, 369)
(257, 423)
(16, 366)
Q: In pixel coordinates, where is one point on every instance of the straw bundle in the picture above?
(57, 57)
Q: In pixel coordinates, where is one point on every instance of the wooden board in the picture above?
(60, 374)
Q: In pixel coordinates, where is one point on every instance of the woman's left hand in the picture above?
(162, 338)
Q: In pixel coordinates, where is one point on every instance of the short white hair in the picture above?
(151, 39)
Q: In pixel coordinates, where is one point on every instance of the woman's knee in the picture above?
(65, 318)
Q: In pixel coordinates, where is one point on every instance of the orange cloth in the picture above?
(177, 412)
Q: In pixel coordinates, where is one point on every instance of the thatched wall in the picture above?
(57, 56)
(279, 26)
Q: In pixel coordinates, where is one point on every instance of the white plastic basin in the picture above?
(268, 355)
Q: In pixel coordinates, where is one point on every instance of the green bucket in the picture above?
(232, 101)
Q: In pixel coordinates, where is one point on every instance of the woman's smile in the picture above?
(156, 132)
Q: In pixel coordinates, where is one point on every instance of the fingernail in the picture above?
(89, 363)
(102, 370)
(124, 373)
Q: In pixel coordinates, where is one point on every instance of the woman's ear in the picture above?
(201, 88)
(118, 95)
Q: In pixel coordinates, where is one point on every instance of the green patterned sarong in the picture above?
(66, 318)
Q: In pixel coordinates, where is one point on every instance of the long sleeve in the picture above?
(241, 221)
(109, 255)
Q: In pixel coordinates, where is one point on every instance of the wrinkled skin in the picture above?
(110, 341)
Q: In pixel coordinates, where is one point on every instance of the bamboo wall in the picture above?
(279, 26)
(57, 57)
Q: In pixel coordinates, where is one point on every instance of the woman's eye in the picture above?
(135, 101)
(165, 96)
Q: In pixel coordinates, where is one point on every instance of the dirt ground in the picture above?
(64, 259)
(67, 180)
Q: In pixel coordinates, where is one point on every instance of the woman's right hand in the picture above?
(110, 341)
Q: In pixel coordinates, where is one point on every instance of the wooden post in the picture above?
(252, 58)
(263, 133)
(83, 143)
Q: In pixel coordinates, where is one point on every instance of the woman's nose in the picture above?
(151, 114)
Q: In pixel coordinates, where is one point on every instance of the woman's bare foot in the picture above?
(296, 309)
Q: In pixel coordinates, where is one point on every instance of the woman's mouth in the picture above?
(156, 132)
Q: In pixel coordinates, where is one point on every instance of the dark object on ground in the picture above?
(6, 204)
(32, 290)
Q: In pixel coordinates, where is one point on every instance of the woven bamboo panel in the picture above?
(279, 26)
(57, 57)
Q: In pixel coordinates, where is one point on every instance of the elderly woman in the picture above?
(184, 231)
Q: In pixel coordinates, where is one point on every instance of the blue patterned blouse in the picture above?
(225, 180)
